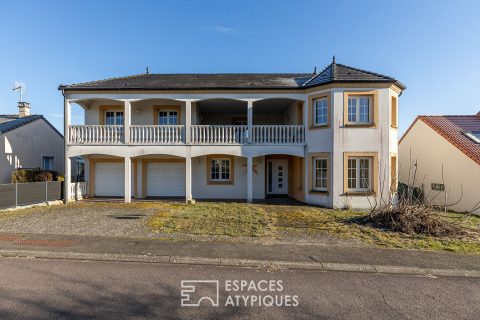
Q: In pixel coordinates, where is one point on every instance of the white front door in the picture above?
(277, 176)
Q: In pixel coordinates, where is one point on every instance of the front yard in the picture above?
(229, 222)
(299, 221)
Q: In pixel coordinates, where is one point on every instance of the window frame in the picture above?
(373, 110)
(472, 136)
(220, 158)
(394, 112)
(167, 108)
(169, 112)
(373, 173)
(315, 115)
(312, 110)
(314, 175)
(52, 164)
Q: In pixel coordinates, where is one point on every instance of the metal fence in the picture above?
(21, 194)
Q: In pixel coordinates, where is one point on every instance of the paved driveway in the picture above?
(107, 219)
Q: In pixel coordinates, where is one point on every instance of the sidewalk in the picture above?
(237, 253)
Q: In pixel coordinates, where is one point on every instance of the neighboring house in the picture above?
(323, 138)
(29, 141)
(444, 151)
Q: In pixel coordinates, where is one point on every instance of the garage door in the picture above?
(109, 180)
(165, 180)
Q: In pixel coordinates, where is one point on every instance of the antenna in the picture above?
(21, 87)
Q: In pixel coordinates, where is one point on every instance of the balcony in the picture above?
(176, 135)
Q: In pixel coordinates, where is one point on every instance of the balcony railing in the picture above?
(96, 134)
(206, 134)
(291, 134)
(171, 134)
(175, 134)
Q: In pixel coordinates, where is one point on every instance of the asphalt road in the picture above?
(67, 289)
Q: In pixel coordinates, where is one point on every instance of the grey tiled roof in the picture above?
(9, 122)
(333, 73)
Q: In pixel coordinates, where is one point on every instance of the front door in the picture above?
(277, 176)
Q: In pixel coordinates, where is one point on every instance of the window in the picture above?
(167, 117)
(114, 118)
(320, 174)
(320, 107)
(393, 173)
(47, 163)
(220, 169)
(394, 112)
(474, 136)
(359, 174)
(359, 109)
(80, 176)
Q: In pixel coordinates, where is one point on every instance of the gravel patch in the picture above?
(81, 218)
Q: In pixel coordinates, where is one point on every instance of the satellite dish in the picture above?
(21, 87)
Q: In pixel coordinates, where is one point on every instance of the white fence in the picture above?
(96, 134)
(78, 190)
(175, 134)
(167, 134)
(291, 134)
(205, 134)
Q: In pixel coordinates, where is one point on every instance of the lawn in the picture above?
(287, 221)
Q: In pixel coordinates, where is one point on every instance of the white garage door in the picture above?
(165, 179)
(109, 180)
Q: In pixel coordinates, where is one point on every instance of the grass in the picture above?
(287, 221)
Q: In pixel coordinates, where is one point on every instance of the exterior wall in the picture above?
(430, 152)
(202, 190)
(336, 139)
(25, 147)
(142, 111)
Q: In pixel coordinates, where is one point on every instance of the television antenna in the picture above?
(21, 87)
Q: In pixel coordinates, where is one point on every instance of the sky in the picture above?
(433, 47)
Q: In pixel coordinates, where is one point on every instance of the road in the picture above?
(69, 289)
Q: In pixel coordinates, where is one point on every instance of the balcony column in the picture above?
(188, 179)
(250, 120)
(249, 179)
(127, 121)
(128, 180)
(188, 121)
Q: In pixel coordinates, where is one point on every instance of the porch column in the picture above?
(128, 180)
(188, 179)
(66, 121)
(188, 120)
(127, 120)
(67, 180)
(68, 164)
(250, 179)
(250, 120)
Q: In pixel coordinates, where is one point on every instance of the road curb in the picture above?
(270, 264)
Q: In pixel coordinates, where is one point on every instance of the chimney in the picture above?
(23, 109)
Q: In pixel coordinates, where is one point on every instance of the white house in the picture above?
(441, 155)
(322, 138)
(29, 141)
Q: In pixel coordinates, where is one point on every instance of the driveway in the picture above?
(107, 219)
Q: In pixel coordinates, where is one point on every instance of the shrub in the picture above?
(413, 219)
(35, 175)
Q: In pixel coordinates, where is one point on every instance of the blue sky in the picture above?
(431, 46)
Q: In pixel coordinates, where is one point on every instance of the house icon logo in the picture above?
(195, 293)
